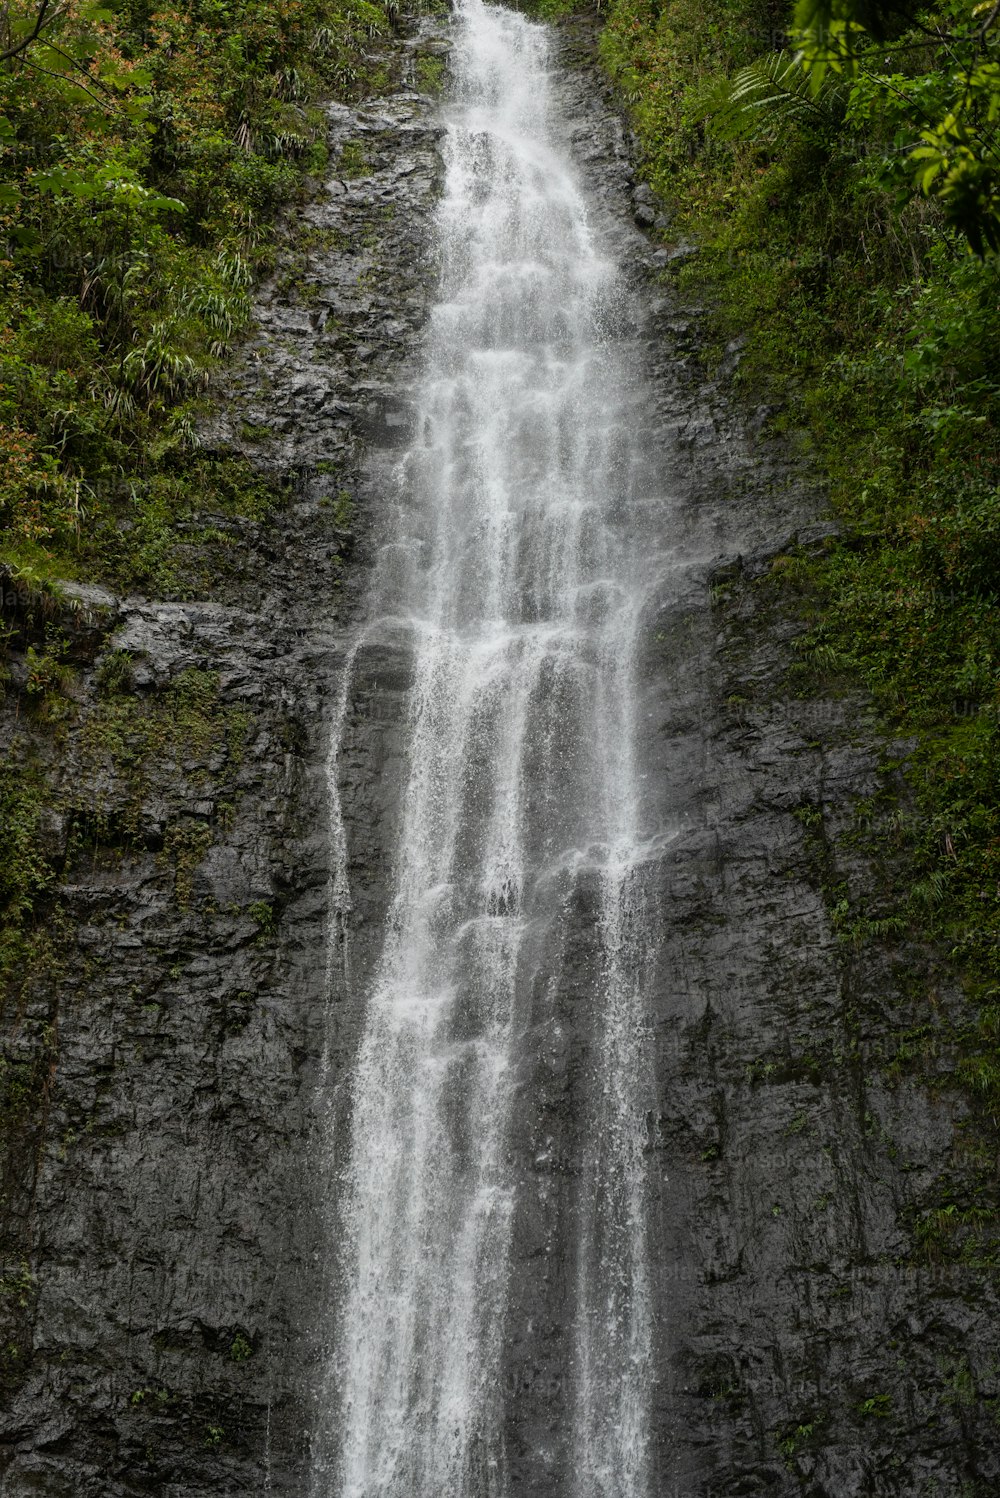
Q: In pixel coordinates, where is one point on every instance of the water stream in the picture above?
(513, 571)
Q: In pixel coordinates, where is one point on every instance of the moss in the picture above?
(876, 1406)
(263, 915)
(184, 846)
(352, 161)
(341, 507)
(26, 875)
(430, 74)
(124, 747)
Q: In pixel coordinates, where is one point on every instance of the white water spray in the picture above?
(519, 591)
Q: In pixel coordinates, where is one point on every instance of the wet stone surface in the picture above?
(160, 1269)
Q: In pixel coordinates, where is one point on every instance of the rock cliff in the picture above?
(164, 1227)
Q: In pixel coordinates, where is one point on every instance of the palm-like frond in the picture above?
(768, 97)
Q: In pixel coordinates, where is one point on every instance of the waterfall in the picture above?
(513, 570)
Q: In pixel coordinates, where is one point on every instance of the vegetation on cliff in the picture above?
(145, 159)
(144, 156)
(837, 173)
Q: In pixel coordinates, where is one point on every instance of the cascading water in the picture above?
(514, 574)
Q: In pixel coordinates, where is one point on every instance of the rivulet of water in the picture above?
(516, 584)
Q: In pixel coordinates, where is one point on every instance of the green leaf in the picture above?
(767, 97)
(61, 179)
(156, 203)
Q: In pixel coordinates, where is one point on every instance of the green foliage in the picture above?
(548, 10)
(769, 96)
(875, 335)
(351, 161)
(25, 873)
(882, 330)
(18, 1286)
(430, 74)
(144, 155)
(938, 70)
(801, 1435)
(261, 912)
(114, 675)
(46, 672)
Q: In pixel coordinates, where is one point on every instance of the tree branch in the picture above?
(989, 19)
(80, 68)
(42, 20)
(63, 78)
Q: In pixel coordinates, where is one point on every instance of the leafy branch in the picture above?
(956, 157)
(46, 15)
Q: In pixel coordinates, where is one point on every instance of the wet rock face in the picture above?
(813, 1345)
(165, 1234)
(160, 1271)
(808, 1339)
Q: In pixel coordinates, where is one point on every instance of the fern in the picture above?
(767, 98)
(931, 890)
